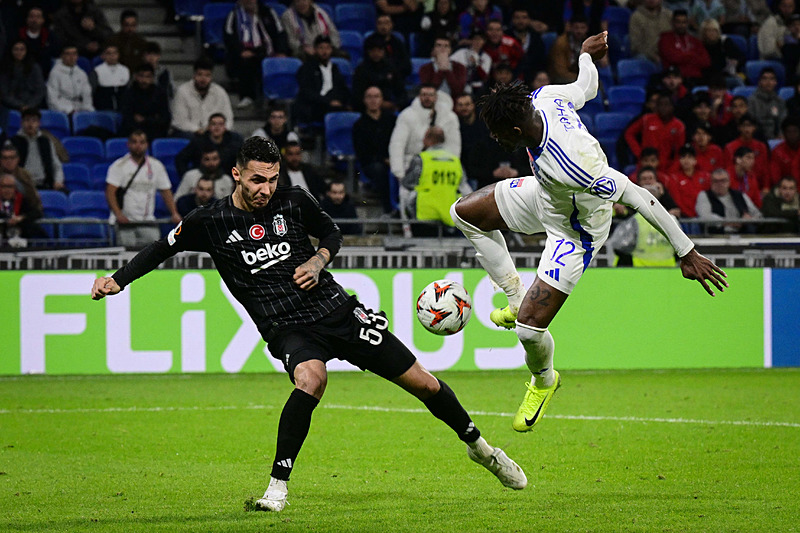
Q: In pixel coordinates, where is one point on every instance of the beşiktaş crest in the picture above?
(279, 225)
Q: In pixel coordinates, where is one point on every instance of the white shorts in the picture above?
(571, 241)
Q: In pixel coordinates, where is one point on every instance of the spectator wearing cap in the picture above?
(743, 176)
(375, 70)
(449, 77)
(650, 19)
(322, 86)
(747, 128)
(304, 22)
(709, 155)
(687, 181)
(563, 57)
(502, 48)
(766, 106)
(677, 47)
(396, 51)
(661, 130)
(477, 62)
(787, 152)
(772, 31)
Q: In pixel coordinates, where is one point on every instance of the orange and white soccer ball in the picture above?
(444, 307)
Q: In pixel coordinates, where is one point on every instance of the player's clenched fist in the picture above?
(596, 46)
(103, 287)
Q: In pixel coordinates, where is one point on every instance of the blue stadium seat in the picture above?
(188, 8)
(85, 64)
(99, 173)
(14, 122)
(752, 48)
(699, 88)
(355, 17)
(773, 143)
(606, 77)
(626, 99)
(165, 150)
(753, 68)
(327, 8)
(338, 133)
(353, 44)
(548, 39)
(587, 120)
(619, 47)
(635, 72)
(739, 41)
(56, 205)
(56, 123)
(161, 211)
(77, 177)
(744, 90)
(102, 119)
(280, 77)
(214, 15)
(618, 19)
(593, 106)
(609, 147)
(786, 92)
(610, 126)
(277, 6)
(414, 45)
(87, 150)
(416, 64)
(346, 68)
(88, 204)
(116, 148)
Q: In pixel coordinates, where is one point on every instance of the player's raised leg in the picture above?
(310, 379)
(442, 402)
(479, 219)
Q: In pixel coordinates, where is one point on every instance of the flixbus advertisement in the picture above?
(187, 321)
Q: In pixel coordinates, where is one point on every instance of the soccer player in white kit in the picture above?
(569, 197)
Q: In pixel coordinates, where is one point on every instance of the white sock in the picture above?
(539, 348)
(492, 253)
(481, 448)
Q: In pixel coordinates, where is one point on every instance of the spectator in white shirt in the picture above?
(198, 99)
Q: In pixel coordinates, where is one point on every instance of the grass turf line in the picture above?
(193, 460)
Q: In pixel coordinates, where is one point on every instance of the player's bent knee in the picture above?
(311, 380)
(465, 225)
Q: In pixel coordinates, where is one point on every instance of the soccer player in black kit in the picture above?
(259, 240)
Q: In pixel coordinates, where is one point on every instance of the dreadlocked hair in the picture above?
(506, 104)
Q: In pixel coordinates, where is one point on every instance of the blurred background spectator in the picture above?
(295, 172)
(145, 105)
(337, 204)
(109, 80)
(209, 169)
(322, 88)
(68, 87)
(196, 100)
(449, 77)
(371, 135)
(130, 44)
(443, 21)
(21, 81)
(202, 194)
(304, 22)
(80, 23)
(217, 135)
(37, 152)
(42, 44)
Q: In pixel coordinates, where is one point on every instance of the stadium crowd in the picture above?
(93, 125)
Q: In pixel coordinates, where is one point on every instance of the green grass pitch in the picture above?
(708, 450)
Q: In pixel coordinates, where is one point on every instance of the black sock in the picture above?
(292, 431)
(445, 406)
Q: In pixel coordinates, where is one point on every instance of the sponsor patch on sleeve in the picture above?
(516, 182)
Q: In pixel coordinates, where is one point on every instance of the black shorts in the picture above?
(352, 333)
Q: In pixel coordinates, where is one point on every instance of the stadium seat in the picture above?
(55, 205)
(744, 90)
(85, 64)
(786, 92)
(116, 148)
(626, 99)
(214, 15)
(161, 211)
(14, 122)
(606, 77)
(739, 41)
(345, 68)
(353, 44)
(99, 173)
(414, 45)
(609, 147)
(338, 133)
(87, 150)
(355, 17)
(165, 150)
(593, 106)
(77, 177)
(188, 8)
(587, 120)
(416, 64)
(327, 8)
(752, 48)
(618, 19)
(278, 7)
(753, 68)
(56, 123)
(635, 72)
(280, 77)
(548, 38)
(610, 126)
(619, 47)
(699, 89)
(102, 119)
(773, 143)
(88, 204)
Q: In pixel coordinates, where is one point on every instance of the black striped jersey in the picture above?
(256, 254)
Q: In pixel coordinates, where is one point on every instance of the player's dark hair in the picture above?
(507, 104)
(258, 149)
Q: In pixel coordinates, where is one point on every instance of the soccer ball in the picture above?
(444, 307)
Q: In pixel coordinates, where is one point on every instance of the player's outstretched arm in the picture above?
(103, 287)
(595, 48)
(696, 267)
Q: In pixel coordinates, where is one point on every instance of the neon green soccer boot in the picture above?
(504, 317)
(534, 405)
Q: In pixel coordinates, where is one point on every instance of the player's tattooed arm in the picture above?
(307, 274)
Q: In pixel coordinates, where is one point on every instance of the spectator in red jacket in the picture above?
(446, 75)
(709, 155)
(720, 100)
(502, 48)
(648, 159)
(786, 152)
(743, 176)
(747, 128)
(660, 130)
(688, 181)
(678, 48)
